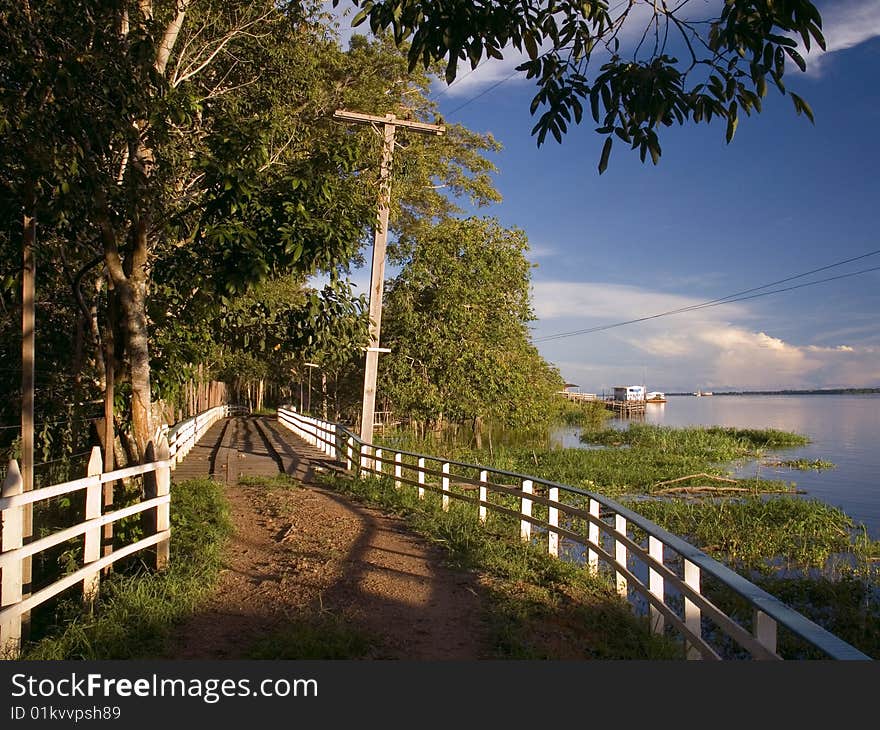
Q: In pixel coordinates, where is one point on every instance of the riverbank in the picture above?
(682, 480)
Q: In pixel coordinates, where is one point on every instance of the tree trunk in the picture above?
(478, 432)
(132, 298)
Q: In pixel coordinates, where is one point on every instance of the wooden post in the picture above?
(11, 538)
(593, 537)
(398, 470)
(109, 439)
(421, 477)
(28, 340)
(157, 484)
(692, 610)
(484, 495)
(92, 538)
(444, 485)
(378, 463)
(764, 630)
(656, 584)
(377, 276)
(620, 554)
(525, 527)
(553, 520)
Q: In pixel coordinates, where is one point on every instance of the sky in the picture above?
(784, 198)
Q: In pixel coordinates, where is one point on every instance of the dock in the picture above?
(625, 407)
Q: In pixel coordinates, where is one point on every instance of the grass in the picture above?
(801, 464)
(806, 547)
(536, 607)
(137, 608)
(754, 533)
(585, 414)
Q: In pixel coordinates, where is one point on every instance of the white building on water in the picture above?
(629, 392)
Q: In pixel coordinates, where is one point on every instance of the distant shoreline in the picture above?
(825, 391)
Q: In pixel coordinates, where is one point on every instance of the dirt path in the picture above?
(303, 554)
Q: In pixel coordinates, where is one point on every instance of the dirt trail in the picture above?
(303, 553)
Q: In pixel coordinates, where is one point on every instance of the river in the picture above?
(843, 429)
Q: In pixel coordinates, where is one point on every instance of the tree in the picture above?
(456, 321)
(186, 152)
(727, 60)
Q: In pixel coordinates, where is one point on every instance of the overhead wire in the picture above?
(743, 295)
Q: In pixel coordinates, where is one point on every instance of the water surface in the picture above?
(843, 429)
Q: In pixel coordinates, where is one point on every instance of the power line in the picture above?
(460, 78)
(729, 299)
(502, 81)
(483, 93)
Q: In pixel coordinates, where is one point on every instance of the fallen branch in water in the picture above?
(706, 488)
(694, 476)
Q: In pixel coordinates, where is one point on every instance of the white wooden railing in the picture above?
(658, 572)
(162, 455)
(186, 434)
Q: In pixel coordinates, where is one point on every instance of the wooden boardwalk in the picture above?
(246, 446)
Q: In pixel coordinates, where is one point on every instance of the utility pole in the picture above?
(28, 338)
(380, 238)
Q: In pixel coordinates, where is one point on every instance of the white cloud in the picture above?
(708, 348)
(845, 24)
(603, 303)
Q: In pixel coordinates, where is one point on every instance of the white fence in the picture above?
(652, 568)
(170, 447)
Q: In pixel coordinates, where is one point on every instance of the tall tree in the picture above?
(456, 321)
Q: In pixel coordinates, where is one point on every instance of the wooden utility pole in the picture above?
(380, 239)
(28, 337)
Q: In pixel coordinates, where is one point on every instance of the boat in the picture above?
(655, 396)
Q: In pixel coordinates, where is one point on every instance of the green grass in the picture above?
(802, 464)
(823, 556)
(536, 607)
(585, 414)
(755, 533)
(137, 608)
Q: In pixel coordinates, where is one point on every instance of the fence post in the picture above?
(553, 520)
(421, 477)
(764, 630)
(378, 464)
(692, 610)
(525, 527)
(157, 484)
(92, 538)
(620, 554)
(398, 469)
(656, 584)
(593, 537)
(484, 495)
(349, 453)
(444, 485)
(11, 534)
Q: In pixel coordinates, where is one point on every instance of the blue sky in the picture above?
(710, 220)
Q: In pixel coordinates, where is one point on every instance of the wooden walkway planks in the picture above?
(246, 446)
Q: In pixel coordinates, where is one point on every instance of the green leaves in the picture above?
(456, 321)
(725, 64)
(606, 152)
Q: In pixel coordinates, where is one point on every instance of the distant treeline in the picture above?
(823, 391)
